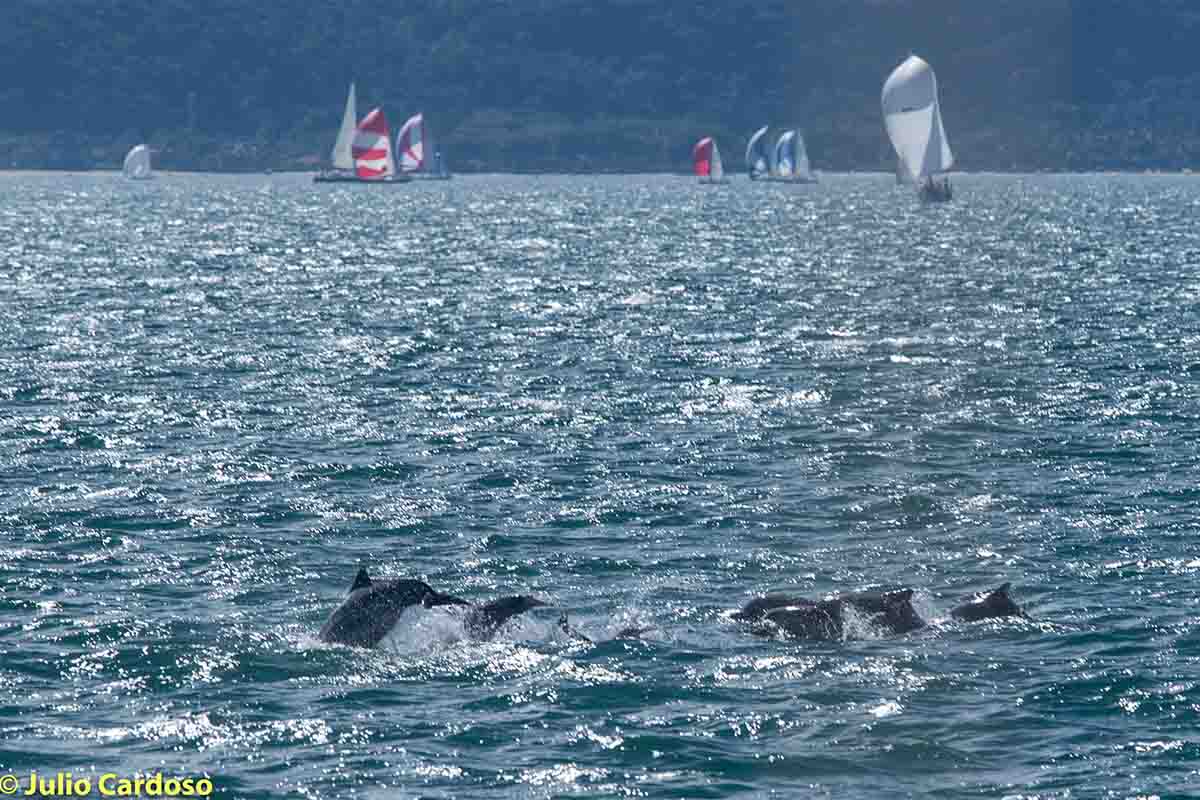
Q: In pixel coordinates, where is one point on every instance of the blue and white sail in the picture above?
(137, 163)
(759, 160)
(791, 157)
(784, 159)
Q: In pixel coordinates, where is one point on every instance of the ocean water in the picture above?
(642, 400)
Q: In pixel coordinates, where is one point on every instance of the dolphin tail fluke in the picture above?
(361, 581)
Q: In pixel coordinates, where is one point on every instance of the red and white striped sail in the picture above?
(702, 157)
(410, 144)
(373, 147)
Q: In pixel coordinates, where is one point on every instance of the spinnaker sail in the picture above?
(410, 144)
(912, 116)
(702, 157)
(137, 163)
(785, 155)
(758, 155)
(372, 148)
(706, 161)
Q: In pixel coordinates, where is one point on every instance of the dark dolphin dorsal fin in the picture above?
(361, 581)
(1003, 590)
(906, 594)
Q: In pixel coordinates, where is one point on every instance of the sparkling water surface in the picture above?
(642, 400)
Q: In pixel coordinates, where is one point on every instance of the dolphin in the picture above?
(482, 621)
(372, 608)
(995, 603)
(894, 610)
(820, 621)
(891, 609)
(825, 619)
(757, 608)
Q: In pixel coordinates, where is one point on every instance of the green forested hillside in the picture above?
(584, 85)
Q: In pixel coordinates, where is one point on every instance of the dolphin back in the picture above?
(817, 621)
(757, 608)
(997, 603)
(371, 611)
(825, 619)
(898, 613)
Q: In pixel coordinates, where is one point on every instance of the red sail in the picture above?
(702, 157)
(372, 148)
(410, 144)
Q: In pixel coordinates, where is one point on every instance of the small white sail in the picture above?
(718, 169)
(803, 169)
(137, 163)
(343, 156)
(914, 121)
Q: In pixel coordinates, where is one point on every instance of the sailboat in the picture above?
(341, 160)
(344, 159)
(137, 164)
(791, 159)
(416, 153)
(786, 162)
(913, 119)
(760, 161)
(706, 161)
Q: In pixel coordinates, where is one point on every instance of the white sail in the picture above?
(343, 157)
(914, 121)
(137, 162)
(718, 170)
(803, 169)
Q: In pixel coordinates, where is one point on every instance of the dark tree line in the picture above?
(594, 84)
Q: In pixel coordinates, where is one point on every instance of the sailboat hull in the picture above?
(332, 177)
(933, 193)
(784, 179)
